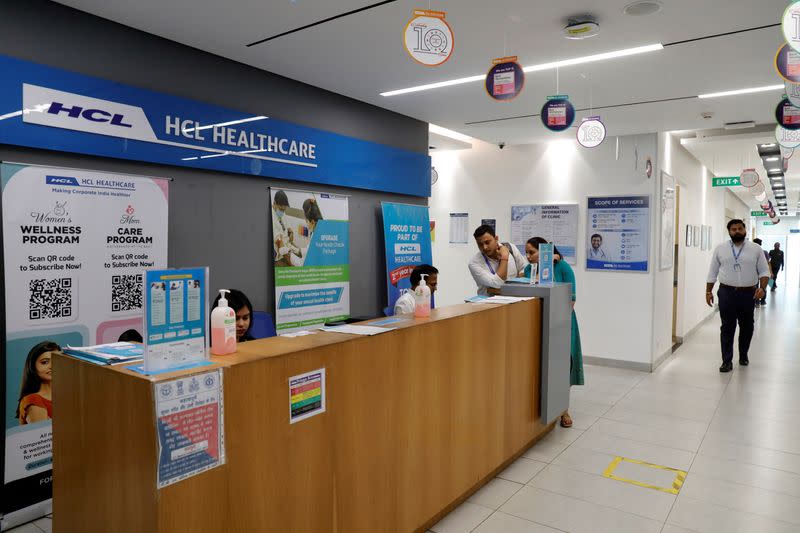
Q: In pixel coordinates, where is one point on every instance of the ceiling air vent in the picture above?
(642, 8)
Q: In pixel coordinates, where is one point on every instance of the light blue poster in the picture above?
(176, 307)
(545, 264)
(407, 237)
(618, 233)
(311, 250)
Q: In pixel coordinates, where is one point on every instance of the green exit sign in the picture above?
(768, 223)
(730, 181)
(757, 214)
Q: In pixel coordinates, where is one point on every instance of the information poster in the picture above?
(667, 243)
(176, 307)
(459, 228)
(558, 223)
(306, 395)
(618, 233)
(546, 264)
(75, 246)
(190, 420)
(406, 231)
(311, 246)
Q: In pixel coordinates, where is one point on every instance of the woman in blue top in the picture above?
(562, 273)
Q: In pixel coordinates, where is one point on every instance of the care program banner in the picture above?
(407, 237)
(75, 246)
(311, 246)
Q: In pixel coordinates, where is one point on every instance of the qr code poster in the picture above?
(75, 246)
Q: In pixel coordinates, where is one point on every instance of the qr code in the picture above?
(50, 298)
(126, 292)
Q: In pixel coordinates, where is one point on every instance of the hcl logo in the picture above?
(404, 249)
(93, 115)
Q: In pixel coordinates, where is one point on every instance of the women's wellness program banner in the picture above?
(75, 246)
(407, 236)
(311, 245)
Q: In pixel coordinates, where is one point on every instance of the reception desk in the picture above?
(417, 419)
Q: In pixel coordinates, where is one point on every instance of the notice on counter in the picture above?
(306, 395)
(618, 233)
(176, 306)
(190, 420)
(459, 228)
(558, 223)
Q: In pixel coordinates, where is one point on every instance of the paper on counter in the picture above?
(503, 300)
(302, 333)
(358, 330)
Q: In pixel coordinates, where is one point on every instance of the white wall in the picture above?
(615, 310)
(700, 204)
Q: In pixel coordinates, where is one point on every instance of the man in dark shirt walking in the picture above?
(776, 262)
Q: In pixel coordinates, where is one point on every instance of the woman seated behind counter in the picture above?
(562, 273)
(241, 305)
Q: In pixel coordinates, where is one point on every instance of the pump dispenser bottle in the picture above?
(422, 300)
(223, 327)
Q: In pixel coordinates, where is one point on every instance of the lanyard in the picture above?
(735, 255)
(488, 265)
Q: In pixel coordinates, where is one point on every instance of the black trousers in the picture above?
(735, 306)
(775, 278)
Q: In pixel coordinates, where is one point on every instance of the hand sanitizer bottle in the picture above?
(422, 300)
(223, 327)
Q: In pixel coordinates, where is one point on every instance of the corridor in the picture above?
(733, 434)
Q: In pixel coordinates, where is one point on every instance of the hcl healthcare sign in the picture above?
(44, 107)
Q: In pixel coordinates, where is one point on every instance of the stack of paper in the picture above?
(107, 354)
(501, 300)
(358, 330)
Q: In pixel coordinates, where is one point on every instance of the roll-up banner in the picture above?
(75, 245)
(407, 237)
(311, 246)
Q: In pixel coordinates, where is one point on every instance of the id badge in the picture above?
(737, 267)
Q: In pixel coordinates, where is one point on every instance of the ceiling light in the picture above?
(773, 170)
(770, 145)
(745, 91)
(534, 68)
(772, 159)
(433, 128)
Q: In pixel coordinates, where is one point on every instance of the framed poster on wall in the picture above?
(688, 236)
(618, 233)
(696, 236)
(667, 235)
(558, 223)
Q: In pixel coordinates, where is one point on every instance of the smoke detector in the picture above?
(581, 28)
(707, 115)
(642, 8)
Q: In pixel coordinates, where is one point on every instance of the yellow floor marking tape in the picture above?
(680, 476)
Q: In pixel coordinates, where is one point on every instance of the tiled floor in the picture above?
(733, 433)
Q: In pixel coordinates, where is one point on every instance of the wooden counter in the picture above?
(417, 419)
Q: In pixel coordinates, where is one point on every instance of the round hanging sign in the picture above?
(758, 190)
(788, 115)
(787, 63)
(792, 92)
(791, 25)
(748, 178)
(557, 113)
(505, 79)
(428, 38)
(591, 132)
(787, 138)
